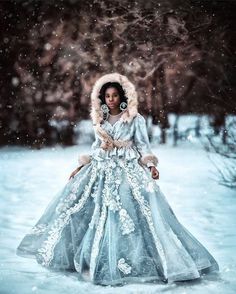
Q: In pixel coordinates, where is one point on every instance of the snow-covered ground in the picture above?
(30, 178)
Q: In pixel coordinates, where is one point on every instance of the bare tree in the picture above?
(174, 51)
(225, 164)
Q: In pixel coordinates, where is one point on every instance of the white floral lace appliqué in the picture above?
(77, 266)
(127, 225)
(124, 266)
(46, 251)
(38, 229)
(133, 180)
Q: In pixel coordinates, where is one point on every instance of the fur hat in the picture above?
(130, 92)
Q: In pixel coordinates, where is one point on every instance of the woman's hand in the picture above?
(106, 145)
(75, 172)
(155, 172)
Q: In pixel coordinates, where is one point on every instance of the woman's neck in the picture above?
(115, 111)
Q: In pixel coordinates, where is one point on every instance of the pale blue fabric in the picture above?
(113, 220)
(135, 131)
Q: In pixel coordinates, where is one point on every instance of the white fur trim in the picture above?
(149, 157)
(130, 92)
(84, 159)
(150, 163)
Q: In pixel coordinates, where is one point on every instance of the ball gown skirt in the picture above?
(111, 220)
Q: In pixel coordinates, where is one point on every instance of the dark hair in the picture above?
(116, 85)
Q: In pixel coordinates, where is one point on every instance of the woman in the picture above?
(112, 223)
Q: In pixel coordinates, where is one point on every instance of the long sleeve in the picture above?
(142, 143)
(85, 158)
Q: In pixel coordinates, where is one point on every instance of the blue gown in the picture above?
(111, 220)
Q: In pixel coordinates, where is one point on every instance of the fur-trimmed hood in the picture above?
(97, 116)
(130, 92)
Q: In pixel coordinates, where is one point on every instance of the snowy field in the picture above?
(30, 178)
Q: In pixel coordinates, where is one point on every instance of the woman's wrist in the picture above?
(150, 164)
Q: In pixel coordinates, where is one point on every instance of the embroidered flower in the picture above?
(77, 266)
(60, 207)
(38, 229)
(71, 197)
(127, 224)
(113, 205)
(124, 266)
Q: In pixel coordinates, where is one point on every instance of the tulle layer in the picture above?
(112, 221)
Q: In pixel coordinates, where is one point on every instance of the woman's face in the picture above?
(112, 98)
